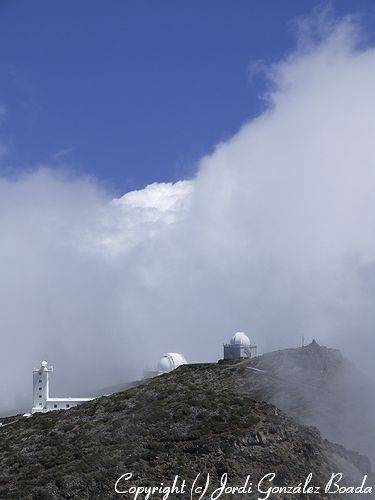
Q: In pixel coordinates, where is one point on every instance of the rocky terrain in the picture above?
(205, 418)
(317, 386)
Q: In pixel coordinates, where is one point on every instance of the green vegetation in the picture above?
(195, 419)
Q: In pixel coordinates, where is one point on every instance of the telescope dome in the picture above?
(170, 361)
(240, 338)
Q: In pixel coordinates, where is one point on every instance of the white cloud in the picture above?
(275, 236)
(142, 214)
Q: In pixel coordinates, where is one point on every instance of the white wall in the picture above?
(40, 387)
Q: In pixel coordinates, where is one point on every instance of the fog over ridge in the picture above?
(274, 236)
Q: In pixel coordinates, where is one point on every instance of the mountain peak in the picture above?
(200, 417)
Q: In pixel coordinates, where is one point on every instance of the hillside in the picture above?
(317, 386)
(196, 419)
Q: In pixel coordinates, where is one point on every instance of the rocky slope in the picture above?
(197, 419)
(318, 386)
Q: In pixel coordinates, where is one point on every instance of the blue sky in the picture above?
(275, 237)
(136, 92)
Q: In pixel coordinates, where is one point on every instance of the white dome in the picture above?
(170, 361)
(44, 363)
(240, 338)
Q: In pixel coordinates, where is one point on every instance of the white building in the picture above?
(239, 347)
(167, 363)
(41, 400)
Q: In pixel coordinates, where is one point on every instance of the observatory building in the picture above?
(41, 400)
(239, 347)
(167, 363)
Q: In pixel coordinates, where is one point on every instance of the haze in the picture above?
(274, 236)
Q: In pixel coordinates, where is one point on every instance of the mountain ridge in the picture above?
(198, 419)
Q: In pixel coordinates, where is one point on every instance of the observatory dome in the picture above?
(170, 361)
(240, 338)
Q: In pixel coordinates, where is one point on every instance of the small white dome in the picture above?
(170, 361)
(44, 363)
(240, 338)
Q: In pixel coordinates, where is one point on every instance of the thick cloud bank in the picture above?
(274, 236)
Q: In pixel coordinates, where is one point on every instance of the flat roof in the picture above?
(56, 400)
